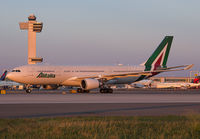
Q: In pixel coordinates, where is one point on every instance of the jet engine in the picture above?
(50, 87)
(89, 83)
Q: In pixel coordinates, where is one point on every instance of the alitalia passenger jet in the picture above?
(92, 77)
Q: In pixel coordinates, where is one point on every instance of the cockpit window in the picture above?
(16, 71)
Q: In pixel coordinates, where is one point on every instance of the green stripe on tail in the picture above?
(160, 55)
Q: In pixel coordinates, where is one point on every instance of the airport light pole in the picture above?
(33, 27)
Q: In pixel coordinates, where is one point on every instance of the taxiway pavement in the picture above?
(95, 104)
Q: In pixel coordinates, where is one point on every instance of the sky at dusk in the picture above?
(101, 32)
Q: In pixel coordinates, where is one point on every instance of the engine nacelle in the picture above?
(50, 87)
(88, 84)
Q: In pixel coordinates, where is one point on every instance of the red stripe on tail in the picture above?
(158, 62)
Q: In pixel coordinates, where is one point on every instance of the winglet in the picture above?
(188, 67)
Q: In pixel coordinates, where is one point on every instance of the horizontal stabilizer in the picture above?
(177, 68)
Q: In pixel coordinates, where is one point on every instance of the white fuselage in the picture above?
(66, 75)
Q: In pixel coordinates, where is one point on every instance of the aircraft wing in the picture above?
(129, 74)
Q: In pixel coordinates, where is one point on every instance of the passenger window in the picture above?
(16, 71)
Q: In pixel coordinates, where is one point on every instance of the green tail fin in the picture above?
(160, 55)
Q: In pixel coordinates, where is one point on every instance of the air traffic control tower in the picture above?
(33, 27)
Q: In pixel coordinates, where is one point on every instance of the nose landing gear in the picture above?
(28, 90)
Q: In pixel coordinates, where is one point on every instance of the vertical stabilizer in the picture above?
(159, 57)
(3, 76)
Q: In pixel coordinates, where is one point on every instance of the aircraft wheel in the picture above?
(28, 91)
(79, 90)
(110, 90)
(86, 91)
(106, 90)
(102, 90)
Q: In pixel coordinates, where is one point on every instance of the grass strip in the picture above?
(149, 127)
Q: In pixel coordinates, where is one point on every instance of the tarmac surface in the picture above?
(17, 104)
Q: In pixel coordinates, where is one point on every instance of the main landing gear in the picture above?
(28, 90)
(80, 90)
(106, 90)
